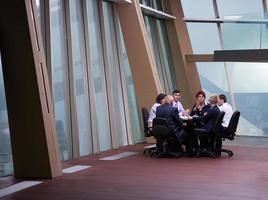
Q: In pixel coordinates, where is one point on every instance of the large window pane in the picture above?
(136, 129)
(251, 94)
(113, 76)
(240, 8)
(168, 70)
(97, 73)
(151, 32)
(242, 36)
(79, 64)
(41, 14)
(213, 77)
(6, 164)
(197, 9)
(204, 37)
(159, 45)
(264, 36)
(59, 77)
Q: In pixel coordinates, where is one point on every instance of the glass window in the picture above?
(198, 9)
(80, 78)
(113, 77)
(213, 77)
(146, 2)
(97, 73)
(168, 71)
(242, 36)
(157, 4)
(151, 32)
(130, 102)
(251, 94)
(264, 36)
(59, 77)
(6, 163)
(240, 9)
(159, 45)
(204, 38)
(41, 14)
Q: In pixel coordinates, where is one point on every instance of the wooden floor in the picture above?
(241, 177)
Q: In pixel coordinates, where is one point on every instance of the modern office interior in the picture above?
(74, 75)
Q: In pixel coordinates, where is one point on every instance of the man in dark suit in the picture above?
(209, 118)
(171, 114)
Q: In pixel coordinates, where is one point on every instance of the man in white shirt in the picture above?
(176, 101)
(226, 108)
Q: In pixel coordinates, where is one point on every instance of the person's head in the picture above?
(213, 99)
(176, 95)
(200, 96)
(168, 99)
(160, 97)
(222, 99)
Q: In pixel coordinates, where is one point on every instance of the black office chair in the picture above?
(229, 132)
(147, 130)
(201, 133)
(163, 138)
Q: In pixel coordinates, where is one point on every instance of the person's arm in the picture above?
(152, 113)
(193, 110)
(176, 118)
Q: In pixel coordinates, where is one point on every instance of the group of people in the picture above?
(202, 115)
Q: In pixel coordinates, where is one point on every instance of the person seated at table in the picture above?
(226, 108)
(200, 107)
(176, 102)
(228, 112)
(209, 117)
(170, 113)
(158, 102)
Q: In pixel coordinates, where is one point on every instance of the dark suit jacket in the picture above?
(170, 113)
(205, 109)
(199, 112)
(210, 118)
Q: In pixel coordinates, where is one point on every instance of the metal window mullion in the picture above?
(90, 84)
(227, 72)
(264, 5)
(71, 80)
(156, 13)
(48, 46)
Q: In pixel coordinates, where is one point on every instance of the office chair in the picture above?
(229, 132)
(161, 133)
(201, 133)
(147, 131)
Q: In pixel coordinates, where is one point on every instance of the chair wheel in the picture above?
(230, 154)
